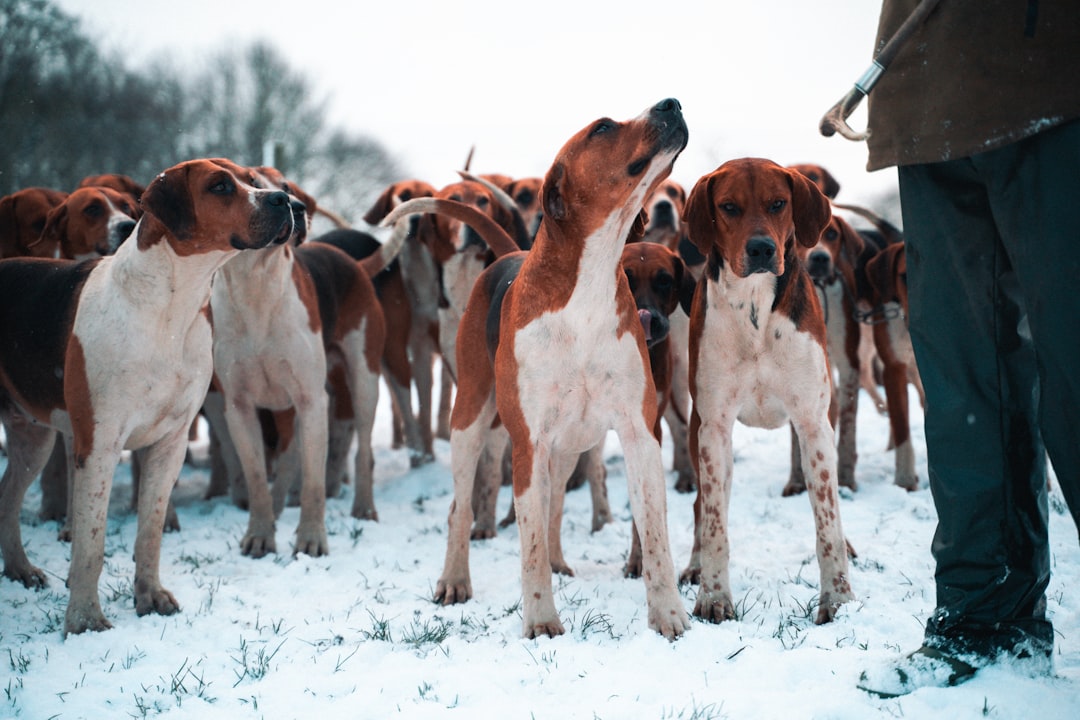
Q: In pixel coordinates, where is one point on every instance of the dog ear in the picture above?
(56, 223)
(810, 209)
(637, 230)
(880, 274)
(168, 199)
(554, 202)
(701, 214)
(686, 285)
(382, 206)
(8, 229)
(852, 243)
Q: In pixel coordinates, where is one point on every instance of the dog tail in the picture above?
(521, 233)
(497, 239)
(889, 232)
(374, 263)
(339, 222)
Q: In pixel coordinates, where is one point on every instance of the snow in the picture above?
(355, 634)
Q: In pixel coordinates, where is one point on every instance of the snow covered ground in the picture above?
(355, 634)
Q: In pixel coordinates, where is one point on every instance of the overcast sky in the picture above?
(431, 78)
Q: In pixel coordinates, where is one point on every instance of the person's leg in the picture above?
(985, 455)
(986, 459)
(1033, 186)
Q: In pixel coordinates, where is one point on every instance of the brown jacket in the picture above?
(978, 74)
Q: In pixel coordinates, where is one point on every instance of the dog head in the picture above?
(394, 195)
(120, 183)
(447, 235)
(664, 209)
(526, 194)
(22, 218)
(92, 221)
(303, 205)
(602, 175)
(835, 254)
(201, 206)
(659, 283)
(748, 215)
(820, 177)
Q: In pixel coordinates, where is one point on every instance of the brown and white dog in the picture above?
(420, 277)
(283, 318)
(665, 209)
(660, 285)
(831, 264)
(22, 218)
(757, 355)
(90, 222)
(886, 274)
(567, 299)
(130, 336)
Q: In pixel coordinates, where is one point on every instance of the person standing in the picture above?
(980, 113)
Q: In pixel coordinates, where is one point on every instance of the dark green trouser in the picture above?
(993, 253)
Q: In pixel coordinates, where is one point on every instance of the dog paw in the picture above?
(158, 601)
(794, 487)
(365, 513)
(449, 592)
(830, 605)
(84, 619)
(691, 575)
(908, 482)
(311, 541)
(686, 482)
(551, 628)
(482, 532)
(257, 545)
(670, 622)
(714, 607)
(31, 577)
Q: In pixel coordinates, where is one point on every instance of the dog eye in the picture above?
(482, 202)
(663, 282)
(777, 206)
(602, 126)
(222, 187)
(525, 197)
(632, 281)
(729, 208)
(831, 234)
(93, 210)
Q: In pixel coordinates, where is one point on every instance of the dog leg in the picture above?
(562, 466)
(364, 388)
(532, 498)
(796, 483)
(715, 465)
(28, 448)
(847, 395)
(819, 467)
(54, 483)
(488, 482)
(92, 487)
(311, 437)
(466, 446)
(592, 463)
(648, 502)
(161, 464)
(246, 434)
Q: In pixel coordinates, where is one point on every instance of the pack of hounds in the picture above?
(126, 312)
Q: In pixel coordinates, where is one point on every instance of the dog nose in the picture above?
(668, 105)
(760, 253)
(818, 264)
(123, 229)
(277, 199)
